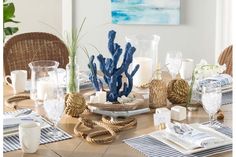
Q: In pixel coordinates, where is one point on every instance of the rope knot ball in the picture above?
(177, 91)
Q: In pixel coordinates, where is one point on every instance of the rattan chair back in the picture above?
(22, 49)
(226, 58)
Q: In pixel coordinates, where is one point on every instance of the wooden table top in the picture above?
(78, 147)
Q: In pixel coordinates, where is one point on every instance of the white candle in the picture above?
(102, 96)
(45, 88)
(144, 73)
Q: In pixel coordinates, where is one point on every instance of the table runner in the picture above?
(11, 142)
(151, 147)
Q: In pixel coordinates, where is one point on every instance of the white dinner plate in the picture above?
(160, 135)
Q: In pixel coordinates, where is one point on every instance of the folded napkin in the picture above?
(190, 138)
(224, 79)
(11, 121)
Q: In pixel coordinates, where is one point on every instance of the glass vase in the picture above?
(72, 76)
(146, 56)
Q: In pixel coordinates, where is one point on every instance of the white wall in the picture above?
(39, 15)
(195, 36)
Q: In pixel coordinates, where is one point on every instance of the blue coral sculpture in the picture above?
(112, 74)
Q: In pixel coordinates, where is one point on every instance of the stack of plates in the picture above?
(224, 89)
(224, 79)
(179, 145)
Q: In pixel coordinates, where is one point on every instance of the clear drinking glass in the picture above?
(173, 62)
(54, 107)
(44, 79)
(211, 99)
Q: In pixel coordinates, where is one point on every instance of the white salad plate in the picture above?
(180, 145)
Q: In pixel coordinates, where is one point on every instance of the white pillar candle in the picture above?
(187, 68)
(102, 96)
(144, 73)
(45, 88)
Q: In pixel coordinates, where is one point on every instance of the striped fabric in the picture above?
(11, 142)
(151, 147)
(15, 112)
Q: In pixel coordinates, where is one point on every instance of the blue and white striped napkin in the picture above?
(11, 142)
(151, 147)
(224, 79)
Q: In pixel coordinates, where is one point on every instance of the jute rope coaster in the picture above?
(16, 98)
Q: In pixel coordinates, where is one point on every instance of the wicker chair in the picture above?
(22, 49)
(226, 58)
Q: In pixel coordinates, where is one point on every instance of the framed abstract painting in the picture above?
(160, 12)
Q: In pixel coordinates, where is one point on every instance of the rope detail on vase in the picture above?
(74, 104)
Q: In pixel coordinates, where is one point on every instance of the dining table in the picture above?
(77, 146)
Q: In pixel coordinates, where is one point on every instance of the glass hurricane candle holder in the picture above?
(44, 80)
(146, 56)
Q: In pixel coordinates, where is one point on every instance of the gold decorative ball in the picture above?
(177, 91)
(75, 104)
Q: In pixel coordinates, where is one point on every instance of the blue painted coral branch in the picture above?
(127, 88)
(112, 74)
(93, 75)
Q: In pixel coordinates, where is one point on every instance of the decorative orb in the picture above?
(177, 91)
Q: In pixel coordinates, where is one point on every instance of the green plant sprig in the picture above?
(72, 41)
(8, 17)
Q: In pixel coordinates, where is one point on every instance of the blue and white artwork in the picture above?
(161, 12)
